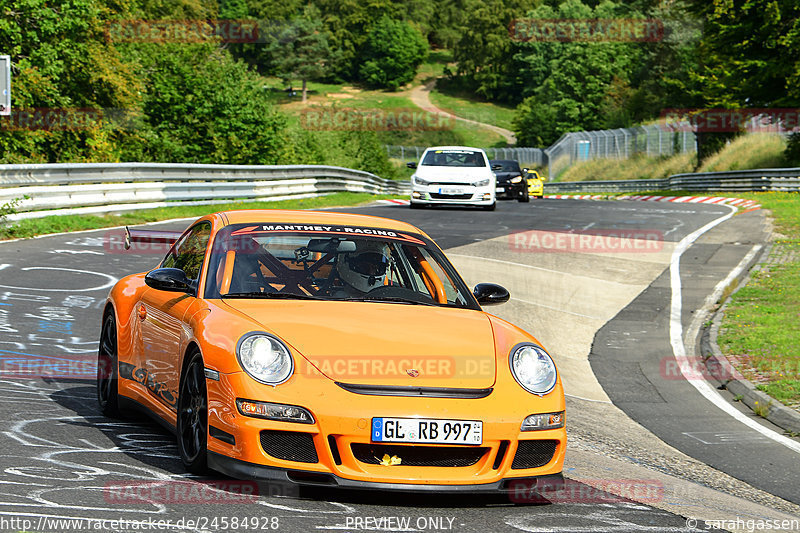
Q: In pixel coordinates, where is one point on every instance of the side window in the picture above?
(188, 253)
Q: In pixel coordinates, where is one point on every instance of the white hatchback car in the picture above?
(453, 175)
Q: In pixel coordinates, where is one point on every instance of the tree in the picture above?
(62, 66)
(349, 22)
(485, 49)
(202, 106)
(576, 85)
(300, 49)
(393, 51)
(749, 52)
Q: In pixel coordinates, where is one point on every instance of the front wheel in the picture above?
(525, 198)
(192, 423)
(107, 374)
(490, 207)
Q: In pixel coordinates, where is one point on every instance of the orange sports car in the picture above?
(330, 349)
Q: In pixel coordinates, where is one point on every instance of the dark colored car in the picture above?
(511, 182)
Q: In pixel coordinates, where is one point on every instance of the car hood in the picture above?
(453, 174)
(387, 344)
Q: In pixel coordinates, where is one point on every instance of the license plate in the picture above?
(450, 190)
(499, 189)
(425, 430)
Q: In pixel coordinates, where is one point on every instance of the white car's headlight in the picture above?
(265, 358)
(533, 368)
(420, 181)
(516, 179)
(482, 183)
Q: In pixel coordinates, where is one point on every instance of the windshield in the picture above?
(508, 166)
(291, 261)
(454, 158)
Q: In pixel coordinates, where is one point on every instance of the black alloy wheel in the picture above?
(107, 373)
(192, 423)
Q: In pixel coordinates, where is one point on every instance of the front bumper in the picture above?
(243, 470)
(440, 195)
(331, 451)
(510, 191)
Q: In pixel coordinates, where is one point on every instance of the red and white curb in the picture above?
(394, 201)
(724, 200)
(737, 202)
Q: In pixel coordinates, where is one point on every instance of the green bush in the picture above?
(792, 152)
(393, 51)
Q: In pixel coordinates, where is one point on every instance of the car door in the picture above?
(162, 314)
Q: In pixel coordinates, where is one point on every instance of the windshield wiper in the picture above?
(271, 295)
(393, 299)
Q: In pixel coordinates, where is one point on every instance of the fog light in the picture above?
(274, 411)
(487, 196)
(543, 421)
(415, 194)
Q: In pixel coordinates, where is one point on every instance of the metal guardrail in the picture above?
(527, 157)
(770, 179)
(106, 187)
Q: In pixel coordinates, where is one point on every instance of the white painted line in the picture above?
(4, 266)
(75, 252)
(111, 280)
(679, 350)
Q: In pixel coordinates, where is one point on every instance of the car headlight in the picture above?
(482, 183)
(533, 368)
(265, 358)
(516, 179)
(420, 181)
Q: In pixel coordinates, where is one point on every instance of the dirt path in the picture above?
(420, 96)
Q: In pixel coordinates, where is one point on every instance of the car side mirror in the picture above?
(526, 170)
(169, 279)
(497, 167)
(412, 164)
(490, 294)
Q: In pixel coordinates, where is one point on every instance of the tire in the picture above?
(490, 207)
(413, 205)
(192, 422)
(107, 367)
(524, 198)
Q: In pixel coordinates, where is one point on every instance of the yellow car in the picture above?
(535, 184)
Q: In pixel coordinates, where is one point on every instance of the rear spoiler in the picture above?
(150, 236)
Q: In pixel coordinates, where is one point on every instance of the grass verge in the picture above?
(473, 109)
(68, 223)
(638, 167)
(762, 150)
(759, 332)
